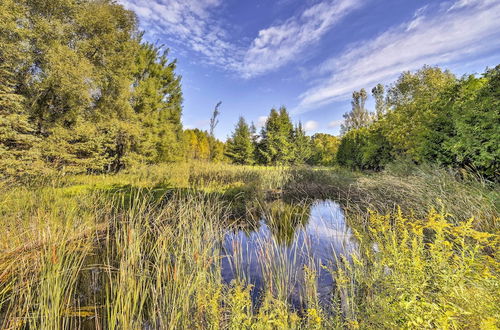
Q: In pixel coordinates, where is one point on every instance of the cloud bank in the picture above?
(191, 24)
(455, 32)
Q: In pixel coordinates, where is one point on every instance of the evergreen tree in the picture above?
(276, 145)
(301, 146)
(255, 142)
(157, 103)
(239, 148)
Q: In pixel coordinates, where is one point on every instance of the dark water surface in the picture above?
(286, 238)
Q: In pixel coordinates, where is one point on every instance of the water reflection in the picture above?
(285, 238)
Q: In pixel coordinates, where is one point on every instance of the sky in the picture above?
(310, 55)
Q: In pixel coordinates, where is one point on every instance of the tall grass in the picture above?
(144, 249)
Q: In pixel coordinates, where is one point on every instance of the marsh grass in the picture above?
(144, 249)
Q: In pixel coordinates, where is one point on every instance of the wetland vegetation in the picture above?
(225, 246)
(115, 216)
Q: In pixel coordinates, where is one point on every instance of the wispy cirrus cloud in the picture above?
(280, 44)
(452, 33)
(191, 24)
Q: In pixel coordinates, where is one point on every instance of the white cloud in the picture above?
(186, 23)
(335, 123)
(190, 23)
(278, 45)
(311, 125)
(261, 121)
(465, 29)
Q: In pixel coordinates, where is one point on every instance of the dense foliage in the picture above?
(239, 148)
(429, 116)
(80, 92)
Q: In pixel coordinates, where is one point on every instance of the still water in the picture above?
(286, 238)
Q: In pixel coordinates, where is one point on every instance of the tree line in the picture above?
(81, 92)
(280, 142)
(429, 116)
(425, 116)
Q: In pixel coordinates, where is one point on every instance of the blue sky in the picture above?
(309, 55)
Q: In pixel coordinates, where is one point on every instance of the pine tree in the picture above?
(157, 102)
(239, 148)
(276, 146)
(255, 142)
(301, 145)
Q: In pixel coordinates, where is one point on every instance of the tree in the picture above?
(275, 147)
(157, 103)
(81, 92)
(350, 152)
(476, 118)
(301, 146)
(214, 121)
(324, 149)
(376, 149)
(218, 150)
(412, 100)
(239, 148)
(378, 93)
(358, 117)
(197, 144)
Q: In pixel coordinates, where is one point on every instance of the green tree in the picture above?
(301, 146)
(81, 92)
(239, 148)
(476, 118)
(276, 144)
(157, 103)
(378, 93)
(359, 116)
(19, 153)
(412, 102)
(324, 149)
(351, 148)
(376, 150)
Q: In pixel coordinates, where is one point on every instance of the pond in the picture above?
(284, 239)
